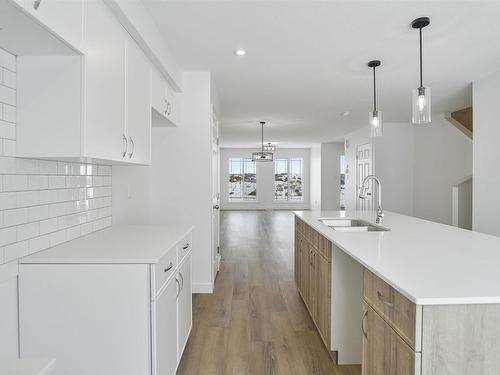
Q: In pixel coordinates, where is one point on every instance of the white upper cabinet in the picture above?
(94, 107)
(104, 81)
(63, 17)
(138, 104)
(164, 101)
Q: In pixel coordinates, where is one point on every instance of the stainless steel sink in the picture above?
(351, 225)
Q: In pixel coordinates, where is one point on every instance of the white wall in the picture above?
(265, 180)
(330, 175)
(315, 177)
(417, 166)
(42, 203)
(486, 176)
(394, 161)
(176, 188)
(443, 155)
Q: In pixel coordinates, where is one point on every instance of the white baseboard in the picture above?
(203, 288)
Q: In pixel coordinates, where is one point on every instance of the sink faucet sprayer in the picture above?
(363, 194)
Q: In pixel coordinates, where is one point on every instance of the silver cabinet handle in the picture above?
(182, 280)
(363, 324)
(169, 108)
(178, 287)
(125, 143)
(385, 301)
(169, 267)
(185, 247)
(133, 148)
(216, 207)
(36, 4)
(166, 107)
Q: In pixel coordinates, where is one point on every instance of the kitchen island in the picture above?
(417, 298)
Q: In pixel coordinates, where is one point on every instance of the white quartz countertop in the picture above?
(429, 263)
(24, 366)
(117, 244)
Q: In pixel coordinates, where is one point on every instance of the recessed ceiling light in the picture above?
(345, 113)
(240, 52)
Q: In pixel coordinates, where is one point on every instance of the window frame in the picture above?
(245, 197)
(288, 198)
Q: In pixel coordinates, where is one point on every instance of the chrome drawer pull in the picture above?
(178, 287)
(186, 246)
(36, 4)
(169, 267)
(384, 301)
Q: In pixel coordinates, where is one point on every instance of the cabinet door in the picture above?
(296, 257)
(104, 79)
(166, 330)
(304, 270)
(324, 276)
(313, 284)
(159, 93)
(138, 105)
(63, 17)
(384, 352)
(185, 303)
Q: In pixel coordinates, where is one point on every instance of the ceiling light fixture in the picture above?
(240, 52)
(421, 96)
(269, 147)
(262, 155)
(375, 116)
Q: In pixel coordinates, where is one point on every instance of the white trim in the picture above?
(203, 288)
(9, 271)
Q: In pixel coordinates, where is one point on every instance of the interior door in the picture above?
(215, 195)
(364, 168)
(166, 329)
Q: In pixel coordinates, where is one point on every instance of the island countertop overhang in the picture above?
(428, 262)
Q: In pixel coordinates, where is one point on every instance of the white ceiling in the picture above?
(306, 60)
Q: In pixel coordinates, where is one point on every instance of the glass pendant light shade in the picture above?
(421, 104)
(375, 116)
(376, 125)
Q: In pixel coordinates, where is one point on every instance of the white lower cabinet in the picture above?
(166, 322)
(184, 304)
(102, 318)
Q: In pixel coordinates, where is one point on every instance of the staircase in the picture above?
(462, 120)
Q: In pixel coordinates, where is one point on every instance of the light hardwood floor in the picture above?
(255, 322)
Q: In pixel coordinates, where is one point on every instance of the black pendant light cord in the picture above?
(421, 80)
(262, 133)
(374, 92)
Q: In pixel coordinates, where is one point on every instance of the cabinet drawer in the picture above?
(164, 268)
(398, 311)
(184, 246)
(325, 248)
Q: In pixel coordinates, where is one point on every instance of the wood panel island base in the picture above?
(362, 315)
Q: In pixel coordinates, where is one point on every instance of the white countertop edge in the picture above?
(32, 259)
(434, 301)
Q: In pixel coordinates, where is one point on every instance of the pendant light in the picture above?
(421, 96)
(262, 155)
(375, 116)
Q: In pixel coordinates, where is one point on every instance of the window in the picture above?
(242, 179)
(288, 179)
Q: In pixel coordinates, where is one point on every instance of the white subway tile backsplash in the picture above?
(27, 198)
(9, 78)
(39, 243)
(8, 200)
(9, 113)
(7, 130)
(16, 216)
(28, 231)
(16, 250)
(38, 213)
(8, 236)
(43, 202)
(7, 60)
(7, 95)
